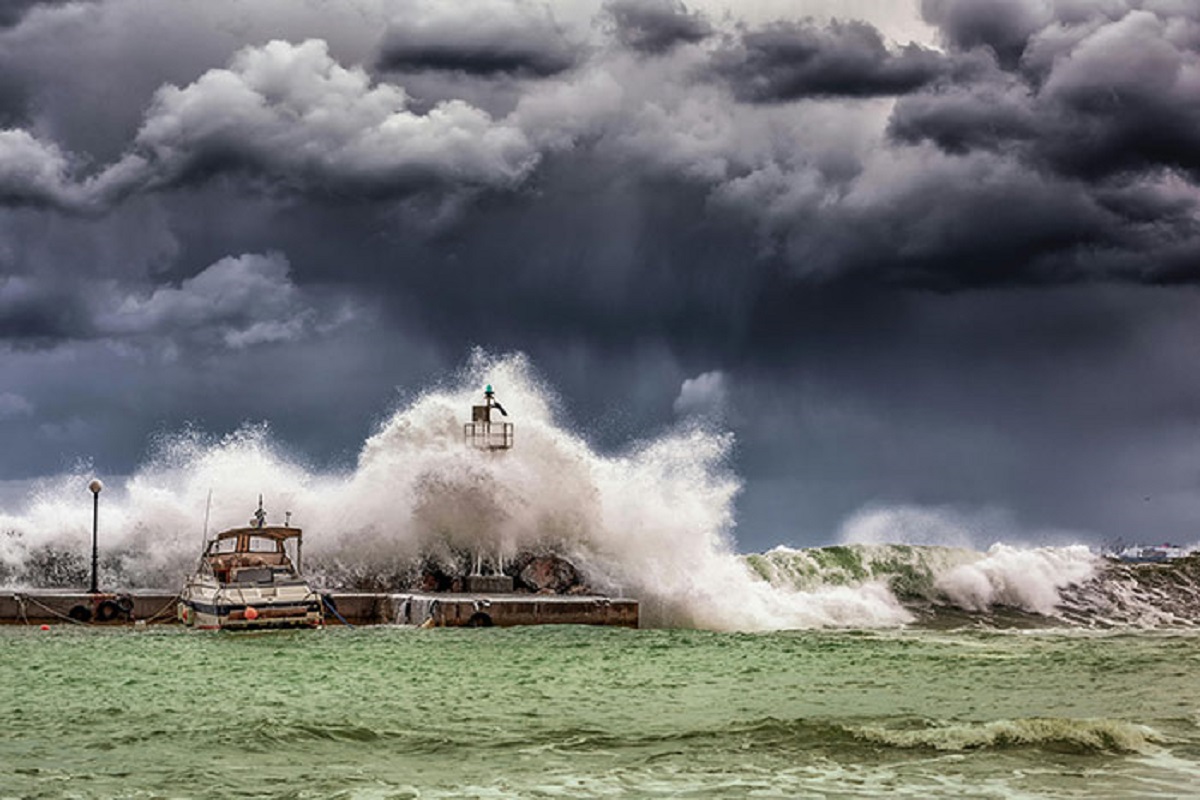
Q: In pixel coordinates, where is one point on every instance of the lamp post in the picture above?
(95, 486)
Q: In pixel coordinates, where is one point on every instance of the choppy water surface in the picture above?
(580, 712)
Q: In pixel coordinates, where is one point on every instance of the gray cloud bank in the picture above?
(1085, 108)
(807, 208)
(477, 38)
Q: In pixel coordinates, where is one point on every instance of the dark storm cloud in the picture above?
(484, 37)
(787, 61)
(1003, 26)
(960, 119)
(13, 11)
(262, 210)
(234, 304)
(33, 314)
(1075, 164)
(655, 26)
(1096, 103)
(1041, 400)
(14, 104)
(1098, 95)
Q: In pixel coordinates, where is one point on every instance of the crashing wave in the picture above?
(1063, 585)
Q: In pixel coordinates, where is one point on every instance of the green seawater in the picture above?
(584, 712)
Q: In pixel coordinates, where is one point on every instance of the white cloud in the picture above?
(289, 112)
(705, 394)
(240, 300)
(266, 332)
(33, 172)
(14, 405)
(292, 111)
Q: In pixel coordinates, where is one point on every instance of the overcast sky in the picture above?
(937, 255)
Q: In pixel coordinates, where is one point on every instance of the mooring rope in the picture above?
(45, 607)
(155, 615)
(333, 608)
(23, 599)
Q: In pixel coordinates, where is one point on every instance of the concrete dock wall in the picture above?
(42, 607)
(463, 610)
(359, 608)
(439, 610)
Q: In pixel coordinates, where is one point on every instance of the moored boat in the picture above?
(247, 579)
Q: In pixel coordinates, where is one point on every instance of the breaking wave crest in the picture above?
(1005, 585)
(1077, 736)
(1051, 734)
(655, 522)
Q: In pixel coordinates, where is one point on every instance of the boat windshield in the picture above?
(252, 575)
(263, 575)
(256, 544)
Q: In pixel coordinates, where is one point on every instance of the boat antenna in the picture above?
(260, 516)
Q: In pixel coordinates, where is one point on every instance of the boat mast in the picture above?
(207, 510)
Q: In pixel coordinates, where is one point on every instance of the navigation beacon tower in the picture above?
(483, 434)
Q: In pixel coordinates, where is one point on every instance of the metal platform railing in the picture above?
(489, 435)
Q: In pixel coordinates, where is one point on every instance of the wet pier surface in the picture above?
(48, 607)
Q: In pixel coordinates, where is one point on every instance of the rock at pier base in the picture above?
(549, 574)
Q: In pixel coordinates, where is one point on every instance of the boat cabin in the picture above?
(254, 555)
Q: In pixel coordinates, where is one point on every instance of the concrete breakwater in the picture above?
(41, 607)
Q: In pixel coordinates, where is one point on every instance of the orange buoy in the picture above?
(45, 627)
(251, 613)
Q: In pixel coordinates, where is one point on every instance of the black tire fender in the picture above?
(107, 611)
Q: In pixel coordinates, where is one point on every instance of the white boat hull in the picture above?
(229, 608)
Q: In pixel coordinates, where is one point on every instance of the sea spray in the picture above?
(654, 522)
(1028, 579)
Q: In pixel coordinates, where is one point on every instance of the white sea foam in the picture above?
(1081, 735)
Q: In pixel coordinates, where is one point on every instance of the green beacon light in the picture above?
(484, 434)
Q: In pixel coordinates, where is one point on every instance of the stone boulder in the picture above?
(549, 574)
